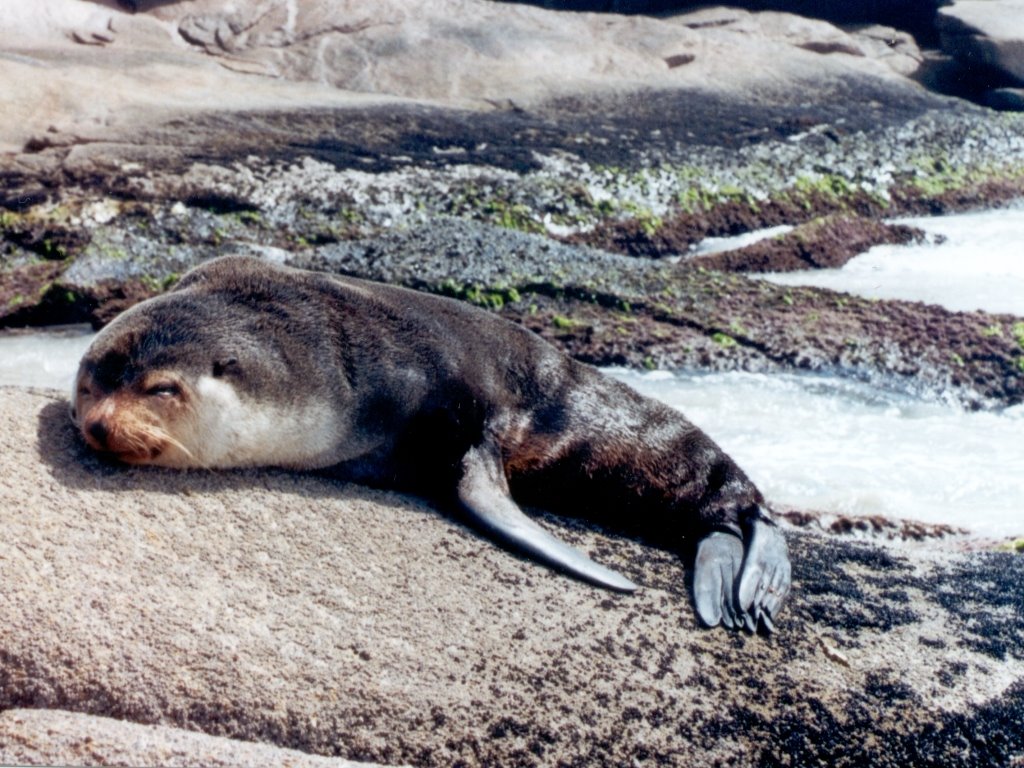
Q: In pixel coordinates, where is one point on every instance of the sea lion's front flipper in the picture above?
(742, 587)
(483, 492)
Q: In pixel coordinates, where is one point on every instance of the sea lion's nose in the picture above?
(98, 432)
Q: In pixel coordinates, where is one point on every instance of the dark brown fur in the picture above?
(476, 370)
(429, 395)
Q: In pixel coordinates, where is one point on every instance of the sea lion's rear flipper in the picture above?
(483, 492)
(767, 575)
(742, 588)
(719, 557)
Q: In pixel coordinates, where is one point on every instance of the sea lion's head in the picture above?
(200, 379)
(139, 393)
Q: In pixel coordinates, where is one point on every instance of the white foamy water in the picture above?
(711, 245)
(971, 261)
(833, 445)
(42, 358)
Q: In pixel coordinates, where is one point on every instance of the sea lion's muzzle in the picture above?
(122, 433)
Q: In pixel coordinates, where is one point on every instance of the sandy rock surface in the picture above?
(55, 737)
(289, 610)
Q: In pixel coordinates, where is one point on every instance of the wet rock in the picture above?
(28, 296)
(375, 205)
(875, 526)
(828, 242)
(44, 237)
(45, 294)
(463, 253)
(289, 610)
(610, 309)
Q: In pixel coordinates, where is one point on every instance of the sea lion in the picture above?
(246, 363)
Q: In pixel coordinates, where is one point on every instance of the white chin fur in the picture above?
(229, 431)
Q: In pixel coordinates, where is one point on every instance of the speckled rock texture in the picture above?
(57, 737)
(293, 611)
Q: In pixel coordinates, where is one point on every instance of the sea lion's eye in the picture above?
(221, 366)
(164, 389)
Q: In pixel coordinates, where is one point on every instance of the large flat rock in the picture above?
(91, 69)
(475, 50)
(290, 610)
(986, 33)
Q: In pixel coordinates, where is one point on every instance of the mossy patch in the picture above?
(45, 233)
(724, 340)
(489, 297)
(564, 323)
(495, 206)
(703, 210)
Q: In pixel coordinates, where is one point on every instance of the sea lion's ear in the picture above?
(220, 367)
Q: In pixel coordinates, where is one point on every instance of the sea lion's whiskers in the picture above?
(160, 435)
